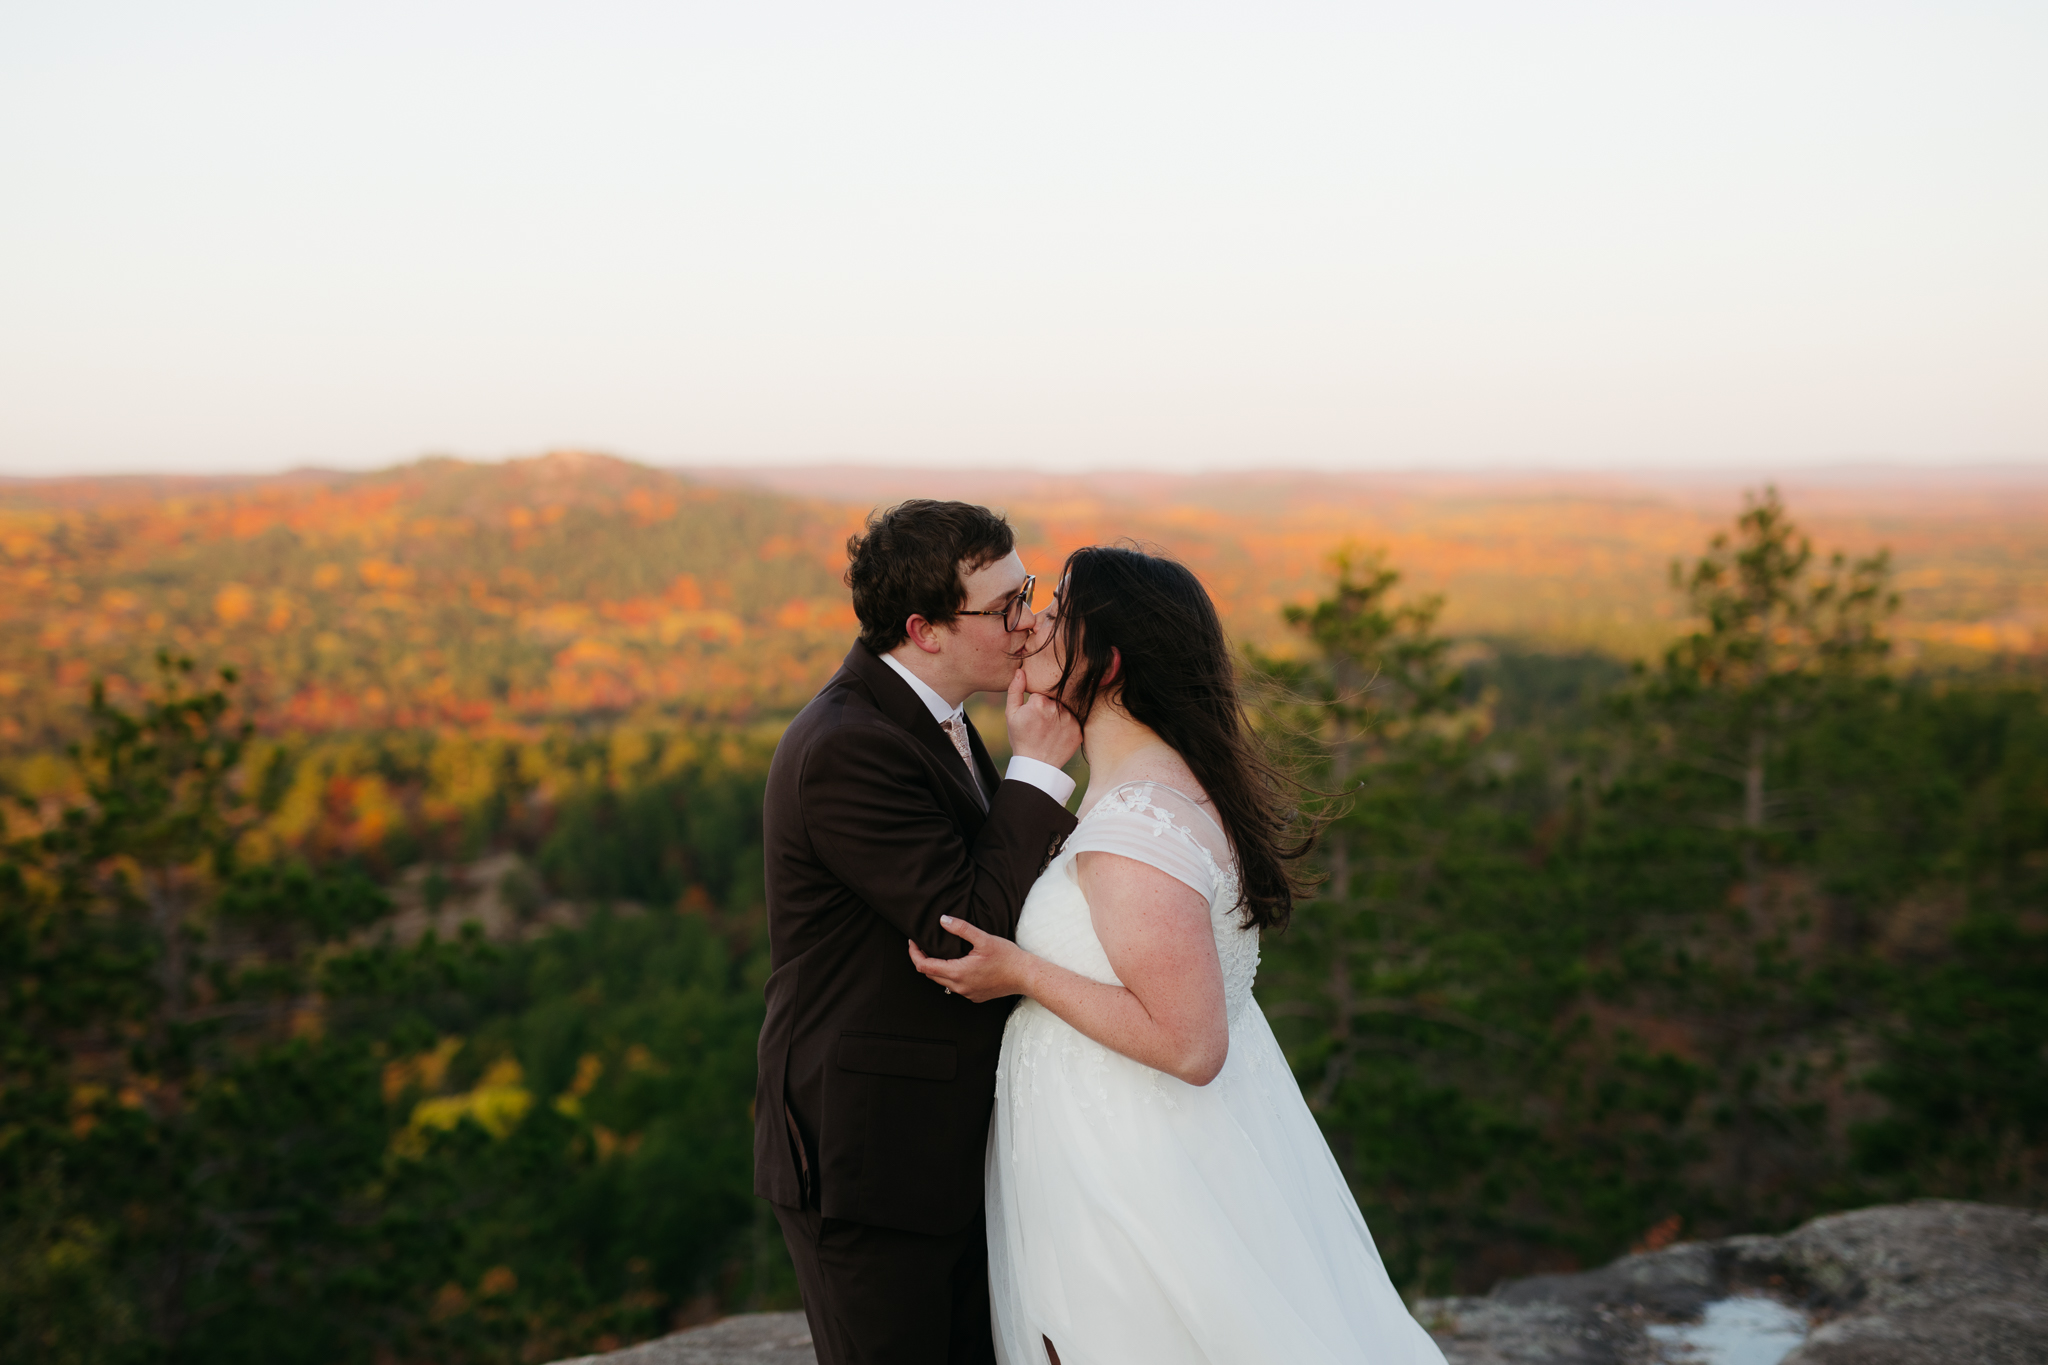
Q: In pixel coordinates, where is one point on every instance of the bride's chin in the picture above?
(1040, 674)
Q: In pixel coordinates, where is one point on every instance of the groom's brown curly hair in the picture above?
(910, 560)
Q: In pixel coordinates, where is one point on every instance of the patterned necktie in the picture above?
(956, 730)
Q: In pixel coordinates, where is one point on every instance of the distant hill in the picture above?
(1572, 560)
(576, 586)
(435, 594)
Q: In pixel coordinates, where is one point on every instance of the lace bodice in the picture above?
(1160, 827)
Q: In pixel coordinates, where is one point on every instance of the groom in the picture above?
(883, 812)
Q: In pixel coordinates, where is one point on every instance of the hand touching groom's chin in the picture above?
(1040, 728)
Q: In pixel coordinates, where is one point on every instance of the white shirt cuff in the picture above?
(1043, 776)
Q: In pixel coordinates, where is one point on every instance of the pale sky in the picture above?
(1178, 235)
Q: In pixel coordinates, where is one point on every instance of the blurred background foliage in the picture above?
(1750, 934)
(431, 1039)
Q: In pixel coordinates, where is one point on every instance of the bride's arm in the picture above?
(1168, 1014)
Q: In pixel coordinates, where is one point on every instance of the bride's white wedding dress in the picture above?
(1135, 1219)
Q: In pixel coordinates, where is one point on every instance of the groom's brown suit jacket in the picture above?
(875, 1087)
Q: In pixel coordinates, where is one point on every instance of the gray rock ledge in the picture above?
(1934, 1282)
(1929, 1283)
(749, 1339)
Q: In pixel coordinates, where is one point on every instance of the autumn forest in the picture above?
(380, 913)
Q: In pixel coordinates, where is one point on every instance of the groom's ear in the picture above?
(1116, 666)
(922, 633)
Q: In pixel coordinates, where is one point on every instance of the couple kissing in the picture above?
(1016, 1102)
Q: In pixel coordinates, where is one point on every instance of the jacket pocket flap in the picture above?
(879, 1054)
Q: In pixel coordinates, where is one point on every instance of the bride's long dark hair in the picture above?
(1179, 680)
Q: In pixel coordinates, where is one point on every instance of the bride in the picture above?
(1157, 1189)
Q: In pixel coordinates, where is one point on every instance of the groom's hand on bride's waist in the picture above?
(1040, 728)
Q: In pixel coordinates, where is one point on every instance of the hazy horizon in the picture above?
(2027, 467)
(1203, 237)
(797, 475)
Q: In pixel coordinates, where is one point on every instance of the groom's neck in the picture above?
(929, 670)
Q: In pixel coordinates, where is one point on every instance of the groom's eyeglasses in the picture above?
(1013, 610)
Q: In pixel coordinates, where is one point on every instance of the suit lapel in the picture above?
(894, 699)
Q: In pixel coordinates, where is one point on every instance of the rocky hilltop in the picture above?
(1929, 1283)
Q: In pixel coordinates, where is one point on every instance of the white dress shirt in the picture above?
(1043, 776)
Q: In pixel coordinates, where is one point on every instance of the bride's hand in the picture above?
(995, 968)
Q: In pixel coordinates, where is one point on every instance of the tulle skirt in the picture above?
(1135, 1218)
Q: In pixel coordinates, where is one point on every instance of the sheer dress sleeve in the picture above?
(1160, 827)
